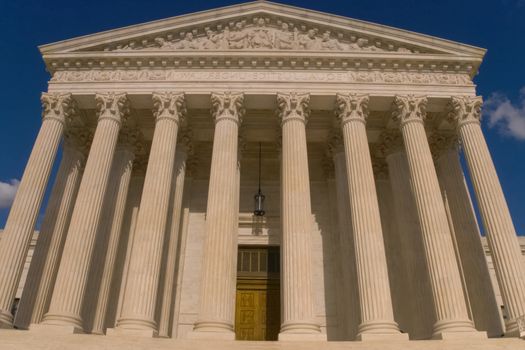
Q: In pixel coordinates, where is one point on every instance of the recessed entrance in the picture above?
(257, 312)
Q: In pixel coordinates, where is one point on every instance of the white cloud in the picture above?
(508, 118)
(7, 192)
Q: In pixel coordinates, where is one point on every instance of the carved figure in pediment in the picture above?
(188, 42)
(362, 44)
(328, 43)
(284, 39)
(237, 39)
(309, 41)
(260, 37)
(164, 44)
(212, 40)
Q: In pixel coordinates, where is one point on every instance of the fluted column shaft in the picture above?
(70, 286)
(468, 239)
(298, 315)
(140, 295)
(393, 249)
(45, 261)
(120, 179)
(26, 206)
(416, 276)
(130, 220)
(216, 315)
(501, 234)
(447, 290)
(171, 260)
(349, 272)
(377, 314)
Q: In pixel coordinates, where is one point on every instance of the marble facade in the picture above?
(361, 128)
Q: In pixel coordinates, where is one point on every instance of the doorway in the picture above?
(258, 301)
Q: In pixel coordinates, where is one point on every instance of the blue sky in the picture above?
(497, 25)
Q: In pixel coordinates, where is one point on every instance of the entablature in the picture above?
(264, 60)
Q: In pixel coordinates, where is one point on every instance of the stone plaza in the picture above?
(349, 135)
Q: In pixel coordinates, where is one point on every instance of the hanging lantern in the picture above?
(259, 197)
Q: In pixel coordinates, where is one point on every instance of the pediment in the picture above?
(262, 26)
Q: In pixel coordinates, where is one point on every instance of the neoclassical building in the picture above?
(347, 132)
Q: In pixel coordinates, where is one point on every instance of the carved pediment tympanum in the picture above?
(261, 33)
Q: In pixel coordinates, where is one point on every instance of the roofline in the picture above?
(376, 29)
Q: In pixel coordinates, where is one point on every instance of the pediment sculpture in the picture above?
(262, 34)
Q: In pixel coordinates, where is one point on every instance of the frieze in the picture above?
(143, 75)
(261, 33)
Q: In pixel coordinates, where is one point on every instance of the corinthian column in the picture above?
(140, 295)
(71, 281)
(501, 235)
(170, 274)
(346, 239)
(46, 257)
(465, 230)
(298, 316)
(417, 296)
(216, 315)
(449, 302)
(24, 212)
(377, 316)
(115, 205)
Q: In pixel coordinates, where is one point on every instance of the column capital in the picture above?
(228, 105)
(113, 106)
(409, 108)
(293, 106)
(391, 141)
(441, 142)
(464, 110)
(58, 106)
(169, 105)
(351, 107)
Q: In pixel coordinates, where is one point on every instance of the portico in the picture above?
(360, 132)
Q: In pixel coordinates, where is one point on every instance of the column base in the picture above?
(301, 331)
(219, 330)
(462, 329)
(365, 337)
(211, 335)
(55, 329)
(460, 335)
(123, 332)
(515, 328)
(289, 336)
(6, 319)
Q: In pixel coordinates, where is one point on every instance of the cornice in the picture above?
(277, 60)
